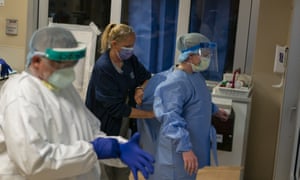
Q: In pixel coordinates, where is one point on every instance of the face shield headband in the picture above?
(64, 54)
(206, 50)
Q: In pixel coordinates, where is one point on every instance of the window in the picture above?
(156, 24)
(217, 20)
(159, 22)
(80, 12)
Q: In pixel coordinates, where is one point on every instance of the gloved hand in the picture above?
(136, 158)
(106, 148)
(5, 68)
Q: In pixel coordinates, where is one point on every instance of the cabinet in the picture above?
(241, 107)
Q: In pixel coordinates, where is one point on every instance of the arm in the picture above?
(137, 113)
(34, 153)
(129, 152)
(169, 100)
(139, 93)
(169, 104)
(219, 113)
(108, 95)
(142, 76)
(190, 162)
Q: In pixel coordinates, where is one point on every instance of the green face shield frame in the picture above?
(66, 54)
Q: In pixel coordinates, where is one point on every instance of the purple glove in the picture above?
(136, 158)
(5, 68)
(106, 148)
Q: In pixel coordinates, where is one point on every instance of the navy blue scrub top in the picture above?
(108, 90)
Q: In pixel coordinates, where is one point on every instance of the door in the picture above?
(287, 152)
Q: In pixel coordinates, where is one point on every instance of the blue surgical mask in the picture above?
(125, 53)
(62, 78)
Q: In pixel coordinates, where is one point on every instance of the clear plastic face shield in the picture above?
(64, 54)
(208, 55)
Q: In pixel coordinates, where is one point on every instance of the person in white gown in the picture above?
(46, 131)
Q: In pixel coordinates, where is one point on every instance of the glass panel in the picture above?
(155, 24)
(218, 21)
(80, 12)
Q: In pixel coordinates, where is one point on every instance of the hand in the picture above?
(222, 115)
(136, 158)
(106, 148)
(5, 68)
(190, 162)
(138, 95)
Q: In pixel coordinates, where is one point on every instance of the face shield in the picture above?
(208, 55)
(64, 54)
(65, 59)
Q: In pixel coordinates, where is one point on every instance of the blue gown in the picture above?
(149, 128)
(182, 104)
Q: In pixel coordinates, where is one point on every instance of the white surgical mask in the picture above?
(204, 63)
(62, 78)
(202, 66)
(195, 68)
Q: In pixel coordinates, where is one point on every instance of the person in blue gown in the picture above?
(181, 135)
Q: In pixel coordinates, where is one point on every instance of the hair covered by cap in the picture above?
(50, 37)
(187, 41)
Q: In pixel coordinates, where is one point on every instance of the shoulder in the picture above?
(103, 60)
(103, 64)
(134, 61)
(175, 81)
(21, 85)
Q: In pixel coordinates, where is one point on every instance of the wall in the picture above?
(13, 48)
(273, 28)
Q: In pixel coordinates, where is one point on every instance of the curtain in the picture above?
(216, 20)
(155, 24)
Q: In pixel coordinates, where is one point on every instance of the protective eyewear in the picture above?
(206, 50)
(203, 49)
(64, 54)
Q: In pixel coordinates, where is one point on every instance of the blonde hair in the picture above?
(114, 32)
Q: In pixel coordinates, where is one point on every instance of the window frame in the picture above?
(245, 35)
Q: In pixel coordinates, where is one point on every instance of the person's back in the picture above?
(149, 128)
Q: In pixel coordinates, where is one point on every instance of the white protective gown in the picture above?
(45, 134)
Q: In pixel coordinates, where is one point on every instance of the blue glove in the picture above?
(136, 158)
(106, 148)
(5, 68)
